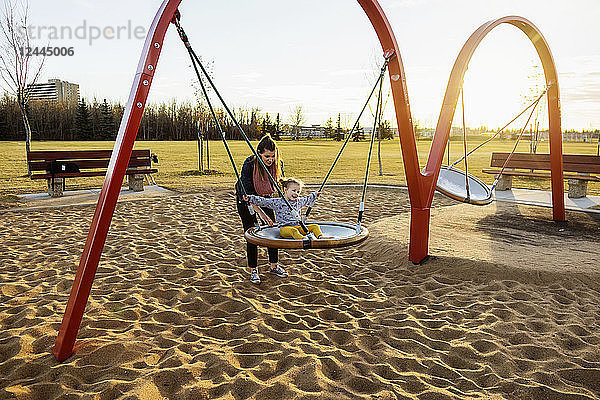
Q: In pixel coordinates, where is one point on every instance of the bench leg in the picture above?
(55, 187)
(136, 182)
(504, 182)
(577, 188)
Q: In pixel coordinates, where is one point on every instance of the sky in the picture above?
(324, 55)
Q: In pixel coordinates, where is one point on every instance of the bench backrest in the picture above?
(85, 159)
(583, 163)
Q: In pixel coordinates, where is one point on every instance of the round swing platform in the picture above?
(452, 183)
(342, 234)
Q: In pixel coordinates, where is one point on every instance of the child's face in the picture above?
(292, 191)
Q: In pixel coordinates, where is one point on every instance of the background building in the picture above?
(54, 90)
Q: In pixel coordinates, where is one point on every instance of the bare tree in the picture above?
(296, 120)
(371, 76)
(18, 68)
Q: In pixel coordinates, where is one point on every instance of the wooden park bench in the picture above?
(56, 166)
(579, 169)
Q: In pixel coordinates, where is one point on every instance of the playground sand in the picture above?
(507, 307)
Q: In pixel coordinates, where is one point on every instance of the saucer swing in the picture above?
(460, 185)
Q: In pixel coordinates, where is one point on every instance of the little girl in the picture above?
(287, 220)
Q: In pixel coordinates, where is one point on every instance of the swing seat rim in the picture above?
(253, 236)
(455, 196)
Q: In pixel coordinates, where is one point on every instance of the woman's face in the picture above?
(268, 157)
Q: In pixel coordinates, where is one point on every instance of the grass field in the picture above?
(307, 160)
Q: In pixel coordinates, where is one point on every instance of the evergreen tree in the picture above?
(4, 132)
(277, 128)
(358, 134)
(94, 111)
(253, 128)
(83, 122)
(339, 132)
(386, 130)
(267, 126)
(106, 122)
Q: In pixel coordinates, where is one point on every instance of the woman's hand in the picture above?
(245, 197)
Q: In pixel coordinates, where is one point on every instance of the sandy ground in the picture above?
(507, 307)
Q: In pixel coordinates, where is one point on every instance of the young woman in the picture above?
(256, 182)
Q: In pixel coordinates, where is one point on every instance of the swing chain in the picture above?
(535, 102)
(195, 59)
(388, 55)
(516, 143)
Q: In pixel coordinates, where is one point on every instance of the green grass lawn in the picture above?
(307, 160)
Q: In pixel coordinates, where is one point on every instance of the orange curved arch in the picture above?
(420, 215)
(456, 79)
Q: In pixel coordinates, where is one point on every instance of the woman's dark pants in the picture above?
(249, 221)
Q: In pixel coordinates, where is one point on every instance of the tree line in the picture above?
(100, 120)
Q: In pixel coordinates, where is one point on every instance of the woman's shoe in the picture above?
(279, 271)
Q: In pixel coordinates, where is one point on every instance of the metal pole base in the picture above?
(419, 234)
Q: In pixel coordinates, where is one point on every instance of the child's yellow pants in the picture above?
(296, 232)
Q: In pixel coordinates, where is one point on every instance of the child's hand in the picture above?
(267, 219)
(246, 198)
(318, 193)
(264, 217)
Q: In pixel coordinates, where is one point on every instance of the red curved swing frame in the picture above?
(421, 185)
